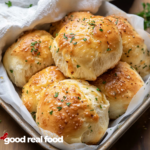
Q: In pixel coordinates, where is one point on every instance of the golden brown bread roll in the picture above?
(75, 110)
(56, 26)
(31, 92)
(28, 55)
(119, 85)
(87, 48)
(134, 50)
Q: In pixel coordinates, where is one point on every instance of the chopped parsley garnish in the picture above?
(129, 50)
(59, 108)
(38, 53)
(84, 39)
(92, 110)
(57, 50)
(64, 97)
(104, 82)
(101, 30)
(78, 66)
(56, 34)
(98, 89)
(33, 43)
(56, 94)
(27, 91)
(49, 47)
(30, 5)
(68, 104)
(62, 100)
(95, 98)
(11, 71)
(79, 98)
(25, 60)
(65, 37)
(116, 74)
(9, 4)
(75, 43)
(51, 112)
(100, 106)
(72, 39)
(145, 14)
(116, 22)
(108, 49)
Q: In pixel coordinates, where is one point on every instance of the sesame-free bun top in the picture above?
(119, 85)
(56, 26)
(75, 110)
(87, 48)
(28, 55)
(31, 92)
(135, 52)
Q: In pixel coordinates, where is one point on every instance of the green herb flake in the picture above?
(98, 89)
(9, 3)
(72, 39)
(57, 50)
(25, 60)
(27, 92)
(11, 71)
(38, 53)
(49, 47)
(65, 37)
(51, 112)
(116, 22)
(101, 30)
(56, 94)
(108, 49)
(68, 104)
(56, 34)
(59, 108)
(84, 39)
(116, 74)
(75, 43)
(100, 106)
(129, 50)
(33, 43)
(104, 82)
(62, 100)
(95, 98)
(79, 98)
(78, 66)
(30, 5)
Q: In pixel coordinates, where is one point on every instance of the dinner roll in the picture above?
(134, 50)
(119, 85)
(28, 55)
(75, 110)
(31, 92)
(87, 48)
(56, 26)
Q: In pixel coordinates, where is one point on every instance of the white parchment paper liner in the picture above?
(15, 20)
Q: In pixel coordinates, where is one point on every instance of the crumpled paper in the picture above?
(19, 18)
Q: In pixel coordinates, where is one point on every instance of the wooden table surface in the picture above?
(136, 138)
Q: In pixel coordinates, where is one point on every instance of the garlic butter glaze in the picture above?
(119, 84)
(135, 52)
(30, 54)
(85, 49)
(75, 110)
(32, 91)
